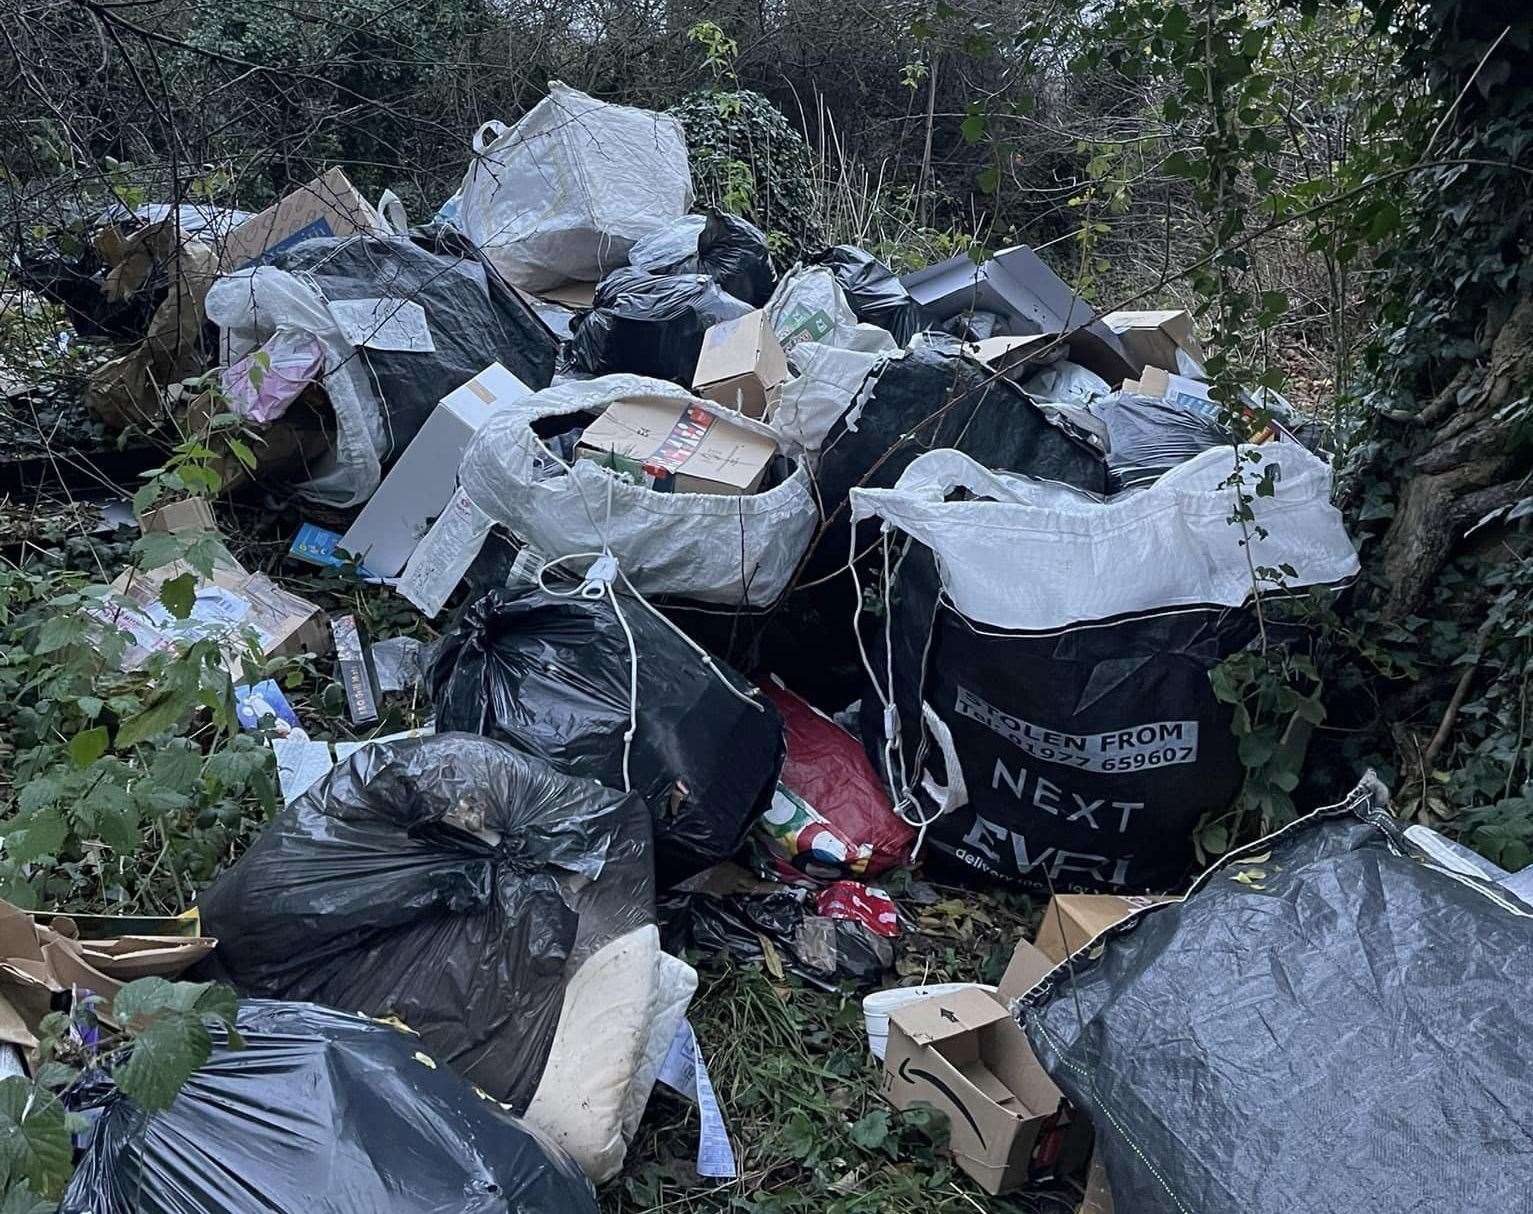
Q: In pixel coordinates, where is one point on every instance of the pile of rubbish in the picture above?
(762, 587)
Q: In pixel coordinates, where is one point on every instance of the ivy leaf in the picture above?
(168, 1022)
(34, 1139)
(88, 746)
(179, 595)
(871, 1131)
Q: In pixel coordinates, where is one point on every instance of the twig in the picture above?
(1440, 738)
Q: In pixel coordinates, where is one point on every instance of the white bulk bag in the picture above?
(1039, 554)
(562, 195)
(810, 306)
(829, 380)
(738, 550)
(249, 306)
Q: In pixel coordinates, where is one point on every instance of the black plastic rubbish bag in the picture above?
(730, 250)
(472, 316)
(1330, 1021)
(822, 951)
(650, 324)
(321, 1112)
(451, 881)
(1150, 435)
(876, 294)
(550, 674)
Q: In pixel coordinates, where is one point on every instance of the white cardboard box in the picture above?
(420, 483)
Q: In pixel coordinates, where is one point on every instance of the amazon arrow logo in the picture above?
(910, 1074)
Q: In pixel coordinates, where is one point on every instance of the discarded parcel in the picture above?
(1049, 652)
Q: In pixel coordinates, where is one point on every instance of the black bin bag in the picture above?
(730, 250)
(1331, 1021)
(474, 318)
(876, 294)
(550, 674)
(450, 881)
(321, 1112)
(1148, 436)
(650, 324)
(1047, 659)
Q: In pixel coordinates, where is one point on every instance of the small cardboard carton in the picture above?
(742, 365)
(417, 487)
(677, 448)
(327, 206)
(1014, 356)
(1153, 338)
(1072, 921)
(963, 1054)
(189, 514)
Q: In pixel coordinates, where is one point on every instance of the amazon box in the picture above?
(678, 448)
(742, 365)
(963, 1054)
(1072, 921)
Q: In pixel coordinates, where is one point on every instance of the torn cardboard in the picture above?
(1013, 356)
(677, 448)
(38, 961)
(963, 1054)
(1072, 921)
(327, 206)
(186, 515)
(742, 365)
(227, 604)
(418, 486)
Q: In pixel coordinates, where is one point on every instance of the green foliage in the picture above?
(169, 1025)
(747, 159)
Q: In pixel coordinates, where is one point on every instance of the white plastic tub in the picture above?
(878, 1006)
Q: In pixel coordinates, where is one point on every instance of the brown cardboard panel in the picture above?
(1071, 921)
(1152, 338)
(189, 514)
(578, 295)
(327, 206)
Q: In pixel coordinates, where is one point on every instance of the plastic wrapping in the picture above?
(451, 881)
(730, 250)
(1329, 1021)
(875, 294)
(551, 674)
(320, 1112)
(810, 306)
(1066, 383)
(831, 817)
(648, 324)
(1149, 436)
(733, 549)
(823, 951)
(1054, 710)
(563, 195)
(455, 315)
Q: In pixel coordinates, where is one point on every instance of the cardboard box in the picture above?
(1197, 397)
(189, 514)
(962, 1053)
(742, 365)
(327, 206)
(418, 486)
(1152, 338)
(1020, 354)
(1072, 921)
(230, 600)
(684, 449)
(576, 295)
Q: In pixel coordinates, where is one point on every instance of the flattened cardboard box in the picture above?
(685, 446)
(963, 1054)
(327, 206)
(1072, 921)
(742, 365)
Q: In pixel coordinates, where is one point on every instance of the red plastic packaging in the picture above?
(830, 818)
